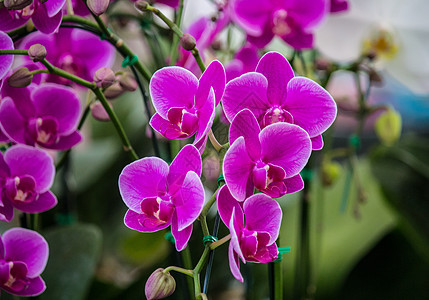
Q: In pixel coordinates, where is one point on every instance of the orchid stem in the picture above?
(175, 43)
(13, 52)
(214, 141)
(178, 269)
(220, 242)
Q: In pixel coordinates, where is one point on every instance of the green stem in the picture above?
(187, 263)
(13, 52)
(220, 242)
(60, 72)
(178, 269)
(175, 43)
(197, 270)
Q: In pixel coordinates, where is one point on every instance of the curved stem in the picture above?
(178, 269)
(175, 43)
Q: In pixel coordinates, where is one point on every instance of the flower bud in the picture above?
(141, 5)
(98, 7)
(20, 78)
(127, 82)
(211, 168)
(99, 113)
(388, 126)
(104, 77)
(331, 171)
(16, 4)
(159, 285)
(37, 52)
(187, 41)
(113, 91)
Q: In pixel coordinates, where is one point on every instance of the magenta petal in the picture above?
(36, 287)
(246, 125)
(278, 72)
(171, 3)
(311, 106)
(135, 221)
(214, 76)
(141, 179)
(294, 184)
(285, 145)
(307, 13)
(166, 128)
(22, 99)
(43, 202)
(237, 167)
(5, 60)
(235, 230)
(28, 247)
(4, 168)
(251, 16)
(11, 121)
(234, 263)
(53, 6)
(172, 87)
(206, 115)
(188, 200)
(264, 39)
(188, 159)
(66, 142)
(247, 91)
(6, 209)
(60, 102)
(317, 142)
(263, 214)
(181, 237)
(7, 22)
(44, 23)
(27, 160)
(226, 203)
(299, 39)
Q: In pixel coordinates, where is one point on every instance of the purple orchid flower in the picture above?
(26, 175)
(269, 159)
(42, 115)
(274, 94)
(23, 257)
(245, 60)
(5, 60)
(46, 16)
(291, 20)
(185, 105)
(159, 196)
(76, 51)
(254, 227)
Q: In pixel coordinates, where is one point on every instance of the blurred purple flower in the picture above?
(339, 6)
(44, 115)
(185, 105)
(254, 227)
(159, 195)
(291, 20)
(23, 257)
(269, 159)
(274, 94)
(46, 16)
(26, 175)
(76, 51)
(245, 60)
(5, 60)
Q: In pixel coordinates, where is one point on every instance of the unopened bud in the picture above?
(388, 126)
(99, 113)
(20, 78)
(159, 285)
(37, 52)
(375, 78)
(113, 91)
(331, 171)
(127, 82)
(141, 5)
(104, 77)
(211, 168)
(322, 64)
(16, 4)
(98, 7)
(187, 41)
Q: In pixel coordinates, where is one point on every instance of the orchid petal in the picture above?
(43, 202)
(234, 263)
(44, 23)
(317, 142)
(181, 237)
(251, 16)
(5, 60)
(11, 121)
(294, 184)
(134, 220)
(226, 203)
(206, 115)
(214, 76)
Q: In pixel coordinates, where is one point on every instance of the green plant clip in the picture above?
(354, 141)
(169, 237)
(281, 251)
(104, 37)
(209, 239)
(307, 174)
(129, 61)
(220, 179)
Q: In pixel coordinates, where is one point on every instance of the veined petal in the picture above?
(278, 72)
(136, 221)
(53, 6)
(181, 237)
(263, 214)
(311, 106)
(285, 145)
(214, 76)
(188, 159)
(141, 179)
(235, 230)
(317, 142)
(172, 87)
(11, 121)
(27, 160)
(28, 247)
(43, 202)
(166, 128)
(246, 125)
(237, 168)
(7, 22)
(294, 184)
(206, 115)
(226, 203)
(247, 91)
(45, 23)
(66, 142)
(188, 200)
(234, 263)
(60, 102)
(5, 60)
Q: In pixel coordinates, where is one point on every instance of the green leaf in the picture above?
(73, 255)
